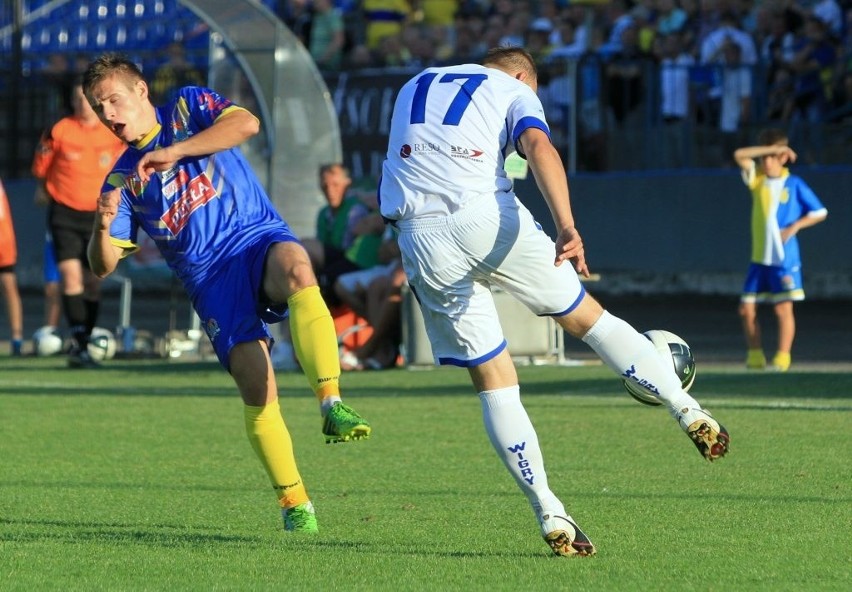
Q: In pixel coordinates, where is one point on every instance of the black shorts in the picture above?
(336, 264)
(7, 269)
(71, 230)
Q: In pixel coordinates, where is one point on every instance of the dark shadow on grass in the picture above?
(69, 485)
(159, 535)
(158, 366)
(180, 536)
(396, 549)
(118, 390)
(721, 494)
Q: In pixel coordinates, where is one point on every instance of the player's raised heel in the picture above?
(565, 537)
(711, 438)
(342, 423)
(301, 518)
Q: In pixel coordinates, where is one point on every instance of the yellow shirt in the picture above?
(384, 18)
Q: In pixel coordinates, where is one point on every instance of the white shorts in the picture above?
(355, 281)
(452, 262)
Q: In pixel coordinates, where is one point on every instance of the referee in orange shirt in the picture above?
(71, 161)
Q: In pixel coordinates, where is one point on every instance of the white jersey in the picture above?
(451, 131)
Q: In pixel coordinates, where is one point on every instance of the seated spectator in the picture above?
(625, 74)
(573, 41)
(671, 17)
(516, 25)
(327, 36)
(620, 19)
(392, 52)
(384, 18)
(812, 67)
(813, 61)
(376, 295)
(537, 39)
(830, 13)
(349, 231)
(174, 74)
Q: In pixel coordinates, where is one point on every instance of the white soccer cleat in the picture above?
(564, 536)
(711, 438)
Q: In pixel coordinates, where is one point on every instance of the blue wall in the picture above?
(693, 223)
(655, 226)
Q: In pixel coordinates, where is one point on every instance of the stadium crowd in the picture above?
(712, 49)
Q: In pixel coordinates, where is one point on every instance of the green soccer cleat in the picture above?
(342, 423)
(301, 518)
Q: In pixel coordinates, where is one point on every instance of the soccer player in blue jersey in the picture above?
(184, 182)
(462, 230)
(782, 205)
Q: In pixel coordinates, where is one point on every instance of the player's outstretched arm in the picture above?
(103, 255)
(229, 130)
(551, 179)
(745, 156)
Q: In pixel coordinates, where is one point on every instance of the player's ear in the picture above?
(142, 89)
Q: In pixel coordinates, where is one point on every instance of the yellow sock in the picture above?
(272, 444)
(781, 361)
(315, 341)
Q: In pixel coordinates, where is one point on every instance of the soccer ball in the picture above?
(47, 341)
(674, 351)
(102, 344)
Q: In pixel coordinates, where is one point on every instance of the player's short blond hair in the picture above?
(511, 60)
(108, 65)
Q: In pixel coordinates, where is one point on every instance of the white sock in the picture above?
(328, 402)
(513, 437)
(629, 353)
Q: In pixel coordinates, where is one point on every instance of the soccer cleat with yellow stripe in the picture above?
(342, 423)
(565, 537)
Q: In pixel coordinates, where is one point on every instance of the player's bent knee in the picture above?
(578, 322)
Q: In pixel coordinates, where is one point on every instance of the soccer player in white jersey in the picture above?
(462, 230)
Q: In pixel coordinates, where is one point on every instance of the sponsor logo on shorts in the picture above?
(212, 328)
(788, 283)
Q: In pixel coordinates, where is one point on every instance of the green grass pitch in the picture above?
(139, 477)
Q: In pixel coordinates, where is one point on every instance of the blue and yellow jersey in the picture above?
(201, 210)
(384, 18)
(778, 202)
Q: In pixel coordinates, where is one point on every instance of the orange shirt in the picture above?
(74, 159)
(8, 246)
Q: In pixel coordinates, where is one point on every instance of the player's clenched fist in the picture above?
(107, 208)
(159, 160)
